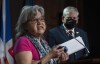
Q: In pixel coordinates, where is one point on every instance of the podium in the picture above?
(85, 61)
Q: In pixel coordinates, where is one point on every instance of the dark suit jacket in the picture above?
(58, 35)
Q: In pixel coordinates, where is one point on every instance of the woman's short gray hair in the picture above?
(27, 13)
(69, 9)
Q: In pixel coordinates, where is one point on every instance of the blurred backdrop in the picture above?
(88, 18)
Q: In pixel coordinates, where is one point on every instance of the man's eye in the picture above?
(69, 17)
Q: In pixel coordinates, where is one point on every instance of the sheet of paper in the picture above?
(73, 45)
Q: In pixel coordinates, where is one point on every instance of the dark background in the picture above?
(88, 18)
(92, 25)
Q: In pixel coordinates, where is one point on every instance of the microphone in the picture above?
(79, 42)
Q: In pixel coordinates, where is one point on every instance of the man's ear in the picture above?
(77, 20)
(63, 18)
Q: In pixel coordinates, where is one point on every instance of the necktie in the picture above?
(70, 32)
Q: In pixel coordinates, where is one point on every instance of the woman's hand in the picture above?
(63, 57)
(59, 53)
(56, 53)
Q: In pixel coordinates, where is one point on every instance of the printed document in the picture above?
(74, 45)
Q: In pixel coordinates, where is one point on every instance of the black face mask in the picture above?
(70, 23)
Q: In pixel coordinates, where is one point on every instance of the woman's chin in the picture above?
(41, 32)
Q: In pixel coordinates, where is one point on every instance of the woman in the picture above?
(30, 47)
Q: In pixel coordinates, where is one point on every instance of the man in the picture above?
(68, 30)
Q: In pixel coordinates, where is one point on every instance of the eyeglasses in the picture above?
(75, 18)
(35, 20)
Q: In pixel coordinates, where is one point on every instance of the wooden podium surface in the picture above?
(85, 61)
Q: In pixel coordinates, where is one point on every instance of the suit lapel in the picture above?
(76, 32)
(63, 32)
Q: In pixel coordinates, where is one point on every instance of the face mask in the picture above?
(70, 23)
